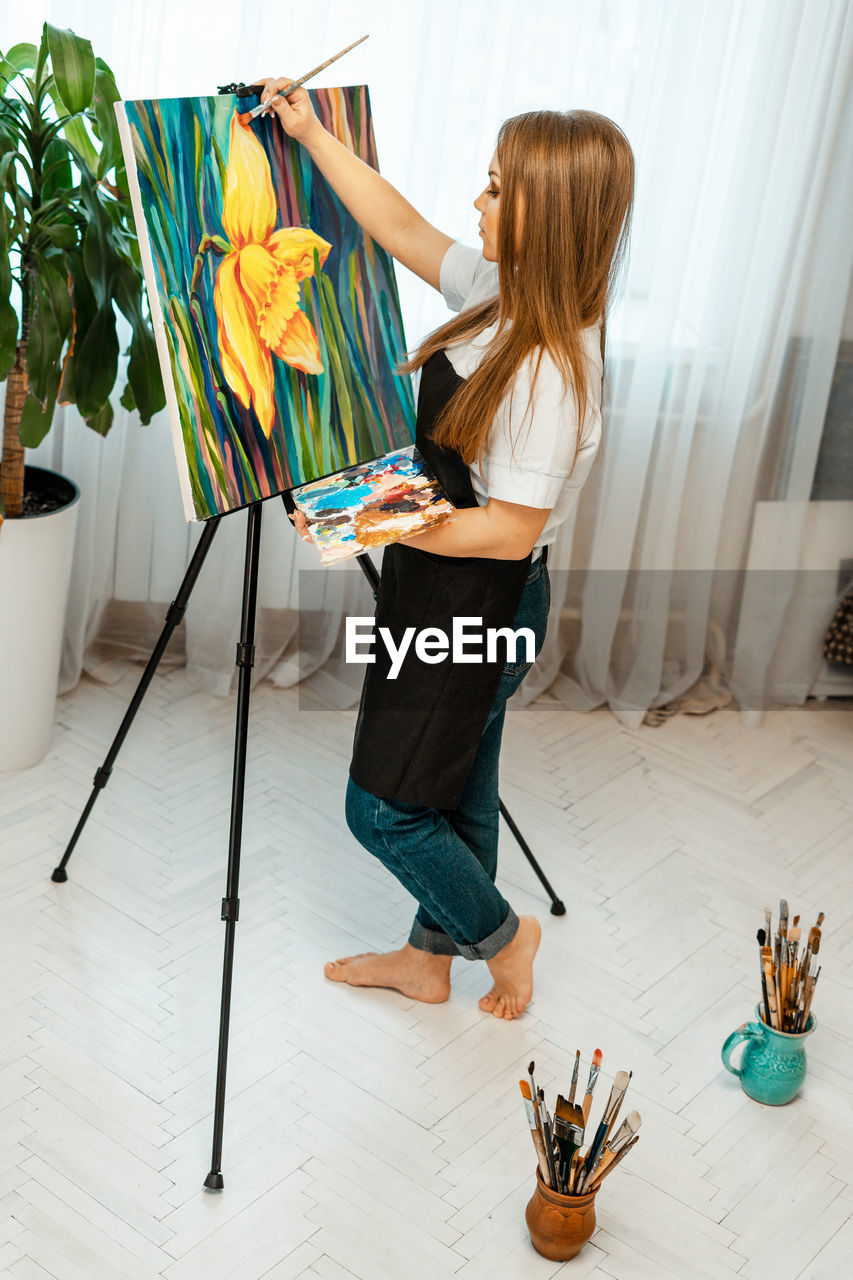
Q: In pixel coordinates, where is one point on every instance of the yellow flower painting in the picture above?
(279, 318)
(257, 284)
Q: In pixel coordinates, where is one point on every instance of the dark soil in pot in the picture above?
(45, 491)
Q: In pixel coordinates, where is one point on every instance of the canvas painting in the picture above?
(372, 504)
(278, 321)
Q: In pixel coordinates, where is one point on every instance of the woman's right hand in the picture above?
(374, 203)
(295, 112)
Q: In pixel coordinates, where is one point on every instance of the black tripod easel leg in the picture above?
(231, 901)
(558, 907)
(174, 617)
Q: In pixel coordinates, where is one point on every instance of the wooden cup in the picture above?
(559, 1225)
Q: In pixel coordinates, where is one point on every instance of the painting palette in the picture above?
(372, 504)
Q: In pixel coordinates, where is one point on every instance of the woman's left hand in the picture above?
(300, 524)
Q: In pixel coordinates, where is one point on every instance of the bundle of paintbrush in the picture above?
(788, 973)
(564, 1164)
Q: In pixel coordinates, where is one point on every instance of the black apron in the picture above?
(417, 735)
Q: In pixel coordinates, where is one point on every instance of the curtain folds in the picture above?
(684, 553)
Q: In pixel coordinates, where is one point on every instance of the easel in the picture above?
(245, 660)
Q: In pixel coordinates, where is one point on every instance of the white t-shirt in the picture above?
(538, 474)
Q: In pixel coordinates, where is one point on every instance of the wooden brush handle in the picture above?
(807, 1001)
(599, 1174)
(780, 1008)
(574, 1084)
(544, 1170)
(604, 1164)
(536, 1133)
(577, 1165)
(549, 1154)
(771, 994)
(614, 1104)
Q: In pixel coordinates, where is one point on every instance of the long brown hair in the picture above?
(567, 192)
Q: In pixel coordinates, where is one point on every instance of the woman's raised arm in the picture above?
(374, 203)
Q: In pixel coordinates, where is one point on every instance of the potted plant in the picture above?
(69, 260)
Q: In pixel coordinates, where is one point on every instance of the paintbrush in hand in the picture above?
(246, 116)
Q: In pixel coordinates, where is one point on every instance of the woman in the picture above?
(509, 417)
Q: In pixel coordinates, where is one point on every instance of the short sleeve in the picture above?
(466, 277)
(530, 456)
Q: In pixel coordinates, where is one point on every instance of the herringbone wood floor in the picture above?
(367, 1135)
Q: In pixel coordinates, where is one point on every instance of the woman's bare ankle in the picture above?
(512, 971)
(429, 959)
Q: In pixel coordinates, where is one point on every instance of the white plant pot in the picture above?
(35, 571)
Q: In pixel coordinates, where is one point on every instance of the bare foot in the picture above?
(512, 970)
(420, 975)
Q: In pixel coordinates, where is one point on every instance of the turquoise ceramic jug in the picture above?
(773, 1065)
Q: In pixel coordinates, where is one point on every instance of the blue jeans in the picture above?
(447, 859)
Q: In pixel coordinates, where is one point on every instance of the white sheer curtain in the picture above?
(720, 352)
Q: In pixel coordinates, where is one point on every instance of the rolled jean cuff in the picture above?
(441, 944)
(437, 944)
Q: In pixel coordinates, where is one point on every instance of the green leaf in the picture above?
(5, 169)
(21, 57)
(73, 64)
(143, 370)
(85, 152)
(128, 292)
(100, 258)
(8, 135)
(36, 418)
(102, 420)
(55, 169)
(8, 337)
(84, 309)
(127, 400)
(143, 375)
(61, 232)
(49, 327)
(40, 75)
(97, 363)
(106, 94)
(8, 318)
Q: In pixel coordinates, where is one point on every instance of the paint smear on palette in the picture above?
(372, 504)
